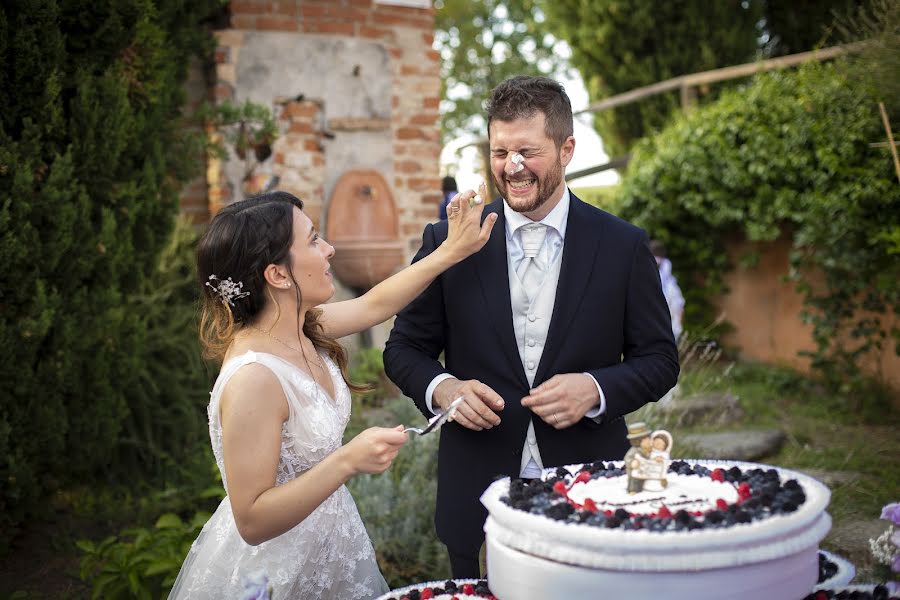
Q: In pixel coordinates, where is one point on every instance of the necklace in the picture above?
(317, 360)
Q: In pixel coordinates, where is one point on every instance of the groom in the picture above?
(554, 332)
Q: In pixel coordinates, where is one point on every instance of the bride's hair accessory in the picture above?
(227, 290)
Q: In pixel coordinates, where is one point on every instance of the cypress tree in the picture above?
(92, 157)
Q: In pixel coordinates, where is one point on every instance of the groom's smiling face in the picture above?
(529, 190)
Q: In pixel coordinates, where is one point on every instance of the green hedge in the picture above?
(93, 153)
(792, 152)
(165, 421)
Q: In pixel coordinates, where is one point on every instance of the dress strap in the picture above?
(233, 365)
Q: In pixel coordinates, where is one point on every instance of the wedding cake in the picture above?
(698, 530)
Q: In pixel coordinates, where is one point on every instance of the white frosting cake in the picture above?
(700, 538)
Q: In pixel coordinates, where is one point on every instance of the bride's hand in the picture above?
(373, 450)
(466, 233)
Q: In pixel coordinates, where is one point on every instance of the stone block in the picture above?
(749, 445)
(709, 409)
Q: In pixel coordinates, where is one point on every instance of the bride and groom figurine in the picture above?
(647, 461)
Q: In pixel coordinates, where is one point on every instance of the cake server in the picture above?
(436, 421)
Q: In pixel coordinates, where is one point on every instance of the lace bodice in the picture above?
(316, 421)
(328, 554)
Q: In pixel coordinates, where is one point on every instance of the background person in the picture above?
(448, 190)
(671, 291)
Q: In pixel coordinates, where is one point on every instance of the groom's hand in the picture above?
(477, 411)
(563, 400)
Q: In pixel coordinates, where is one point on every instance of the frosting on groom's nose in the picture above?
(515, 164)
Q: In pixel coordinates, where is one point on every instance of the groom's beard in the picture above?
(544, 188)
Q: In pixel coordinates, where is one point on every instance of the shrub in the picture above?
(142, 561)
(92, 156)
(367, 367)
(165, 414)
(789, 153)
(397, 506)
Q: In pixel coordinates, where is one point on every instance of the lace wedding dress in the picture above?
(328, 555)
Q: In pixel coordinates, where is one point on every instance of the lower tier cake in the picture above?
(715, 530)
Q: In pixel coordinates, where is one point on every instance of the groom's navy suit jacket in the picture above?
(610, 319)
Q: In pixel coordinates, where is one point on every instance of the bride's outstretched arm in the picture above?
(465, 236)
(253, 411)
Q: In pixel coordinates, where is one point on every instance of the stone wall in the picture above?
(195, 195)
(765, 309)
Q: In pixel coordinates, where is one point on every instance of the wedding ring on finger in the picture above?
(555, 419)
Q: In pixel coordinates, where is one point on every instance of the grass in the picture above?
(852, 441)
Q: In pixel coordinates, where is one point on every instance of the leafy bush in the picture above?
(367, 367)
(142, 561)
(601, 196)
(789, 154)
(92, 157)
(165, 416)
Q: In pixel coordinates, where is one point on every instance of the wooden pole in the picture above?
(688, 97)
(723, 74)
(890, 137)
(616, 163)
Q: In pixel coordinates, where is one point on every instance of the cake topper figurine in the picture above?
(657, 467)
(647, 461)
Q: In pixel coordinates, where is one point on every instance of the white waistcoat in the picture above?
(531, 322)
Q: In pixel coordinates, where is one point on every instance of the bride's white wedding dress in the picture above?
(329, 554)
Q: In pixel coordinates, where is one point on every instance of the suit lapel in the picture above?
(579, 256)
(494, 279)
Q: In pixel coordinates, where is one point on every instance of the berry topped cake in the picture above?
(697, 530)
(451, 589)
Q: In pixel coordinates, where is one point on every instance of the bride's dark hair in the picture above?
(241, 241)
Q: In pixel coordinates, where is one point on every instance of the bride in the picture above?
(278, 409)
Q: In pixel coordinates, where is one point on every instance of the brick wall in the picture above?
(195, 195)
(406, 34)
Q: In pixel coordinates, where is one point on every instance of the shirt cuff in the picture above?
(598, 411)
(429, 391)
